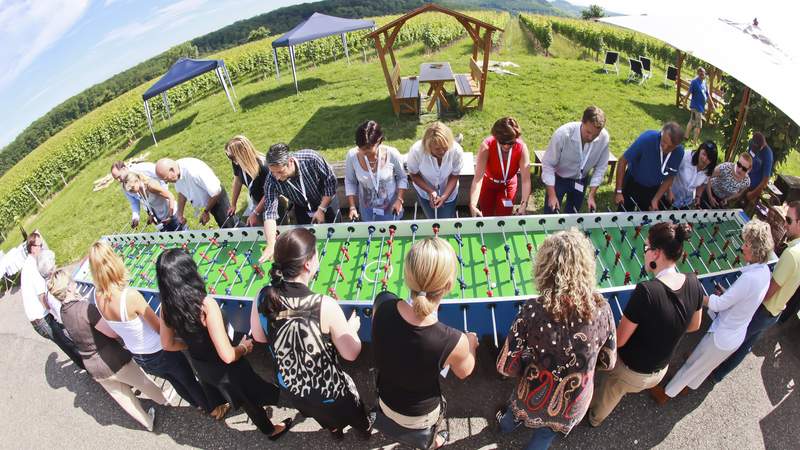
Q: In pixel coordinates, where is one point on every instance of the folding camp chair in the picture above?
(646, 67)
(671, 75)
(611, 60)
(636, 70)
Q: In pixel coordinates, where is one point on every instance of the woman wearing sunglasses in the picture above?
(729, 182)
(501, 156)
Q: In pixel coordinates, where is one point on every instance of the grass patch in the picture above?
(335, 98)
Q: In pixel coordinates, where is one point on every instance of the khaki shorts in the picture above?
(696, 119)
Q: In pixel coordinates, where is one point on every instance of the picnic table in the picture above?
(538, 156)
(436, 74)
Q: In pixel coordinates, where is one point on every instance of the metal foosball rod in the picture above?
(604, 277)
(507, 250)
(245, 260)
(214, 261)
(222, 274)
(610, 240)
(489, 286)
(460, 256)
(138, 268)
(380, 259)
(722, 253)
(711, 257)
(624, 237)
(322, 251)
(339, 274)
(257, 271)
(360, 282)
(530, 246)
(696, 253)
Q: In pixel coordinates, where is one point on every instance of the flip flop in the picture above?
(287, 425)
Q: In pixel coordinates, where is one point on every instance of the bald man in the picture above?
(196, 182)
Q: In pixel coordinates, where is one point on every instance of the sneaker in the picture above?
(152, 413)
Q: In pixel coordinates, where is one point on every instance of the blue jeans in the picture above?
(173, 367)
(541, 439)
(574, 200)
(367, 215)
(446, 211)
(762, 319)
(49, 328)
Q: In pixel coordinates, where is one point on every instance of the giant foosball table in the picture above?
(495, 258)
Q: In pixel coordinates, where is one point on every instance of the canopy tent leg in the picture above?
(275, 59)
(221, 77)
(230, 82)
(294, 69)
(166, 105)
(149, 118)
(344, 43)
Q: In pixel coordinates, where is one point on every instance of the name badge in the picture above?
(752, 153)
(508, 203)
(578, 186)
(377, 211)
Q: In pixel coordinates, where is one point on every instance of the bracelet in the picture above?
(618, 191)
(320, 208)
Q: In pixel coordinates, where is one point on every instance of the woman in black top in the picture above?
(250, 170)
(189, 314)
(658, 314)
(412, 347)
(307, 333)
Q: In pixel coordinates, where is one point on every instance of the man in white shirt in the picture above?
(119, 172)
(576, 150)
(196, 182)
(34, 299)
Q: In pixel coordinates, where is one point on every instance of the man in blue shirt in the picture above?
(698, 89)
(646, 169)
(762, 166)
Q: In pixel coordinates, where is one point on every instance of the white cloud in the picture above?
(161, 18)
(28, 28)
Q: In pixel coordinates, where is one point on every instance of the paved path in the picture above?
(45, 403)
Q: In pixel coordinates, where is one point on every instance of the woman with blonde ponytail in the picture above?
(411, 344)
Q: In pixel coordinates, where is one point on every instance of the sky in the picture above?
(51, 50)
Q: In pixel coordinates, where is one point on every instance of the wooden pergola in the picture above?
(480, 32)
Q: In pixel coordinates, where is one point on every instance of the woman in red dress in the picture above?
(501, 156)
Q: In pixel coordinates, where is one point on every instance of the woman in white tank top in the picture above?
(131, 317)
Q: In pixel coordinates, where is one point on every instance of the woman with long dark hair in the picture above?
(307, 334)
(659, 312)
(188, 313)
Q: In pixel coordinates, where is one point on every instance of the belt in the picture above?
(496, 181)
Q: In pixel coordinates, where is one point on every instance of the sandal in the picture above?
(287, 425)
(445, 435)
(220, 411)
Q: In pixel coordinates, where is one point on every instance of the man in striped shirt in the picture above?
(304, 178)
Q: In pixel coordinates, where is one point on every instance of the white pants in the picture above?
(704, 359)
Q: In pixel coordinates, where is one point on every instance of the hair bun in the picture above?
(682, 232)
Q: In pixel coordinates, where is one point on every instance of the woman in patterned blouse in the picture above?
(556, 342)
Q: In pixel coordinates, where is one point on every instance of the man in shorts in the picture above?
(698, 89)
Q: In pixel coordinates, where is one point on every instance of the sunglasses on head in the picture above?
(647, 248)
(739, 165)
(508, 142)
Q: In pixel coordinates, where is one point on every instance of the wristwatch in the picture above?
(321, 208)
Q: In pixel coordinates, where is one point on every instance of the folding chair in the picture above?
(611, 60)
(646, 67)
(636, 70)
(671, 75)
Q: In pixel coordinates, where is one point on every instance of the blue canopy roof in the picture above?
(184, 69)
(318, 26)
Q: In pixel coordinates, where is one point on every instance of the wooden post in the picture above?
(678, 81)
(386, 74)
(740, 118)
(63, 179)
(487, 48)
(34, 196)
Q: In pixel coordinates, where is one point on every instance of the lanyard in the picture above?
(504, 168)
(438, 169)
(302, 189)
(584, 158)
(664, 160)
(376, 182)
(666, 271)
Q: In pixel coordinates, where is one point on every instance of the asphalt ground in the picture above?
(46, 403)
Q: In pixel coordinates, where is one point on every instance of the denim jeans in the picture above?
(446, 211)
(541, 438)
(173, 367)
(762, 319)
(49, 328)
(574, 200)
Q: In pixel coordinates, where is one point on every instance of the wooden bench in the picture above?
(468, 85)
(405, 92)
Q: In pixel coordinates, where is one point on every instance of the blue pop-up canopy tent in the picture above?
(184, 70)
(315, 27)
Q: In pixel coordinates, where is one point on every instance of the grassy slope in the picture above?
(334, 99)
